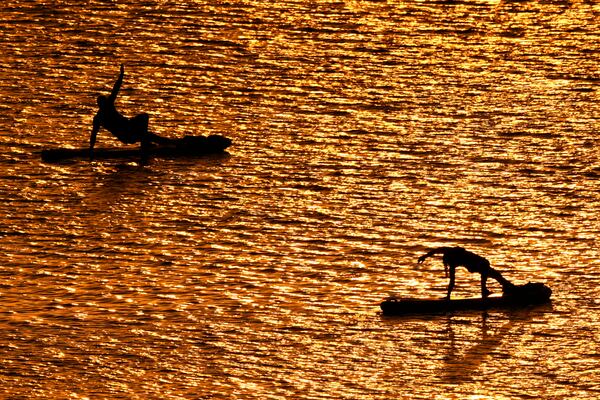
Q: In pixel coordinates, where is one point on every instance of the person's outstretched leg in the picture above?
(139, 125)
(154, 138)
(494, 274)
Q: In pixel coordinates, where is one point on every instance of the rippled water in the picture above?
(364, 133)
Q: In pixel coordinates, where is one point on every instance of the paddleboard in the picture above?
(190, 146)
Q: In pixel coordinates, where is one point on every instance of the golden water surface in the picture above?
(365, 132)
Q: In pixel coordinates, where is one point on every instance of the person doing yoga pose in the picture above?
(127, 130)
(453, 257)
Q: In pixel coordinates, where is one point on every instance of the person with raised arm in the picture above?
(127, 130)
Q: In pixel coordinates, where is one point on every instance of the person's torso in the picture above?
(113, 121)
(471, 261)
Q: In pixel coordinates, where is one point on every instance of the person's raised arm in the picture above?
(117, 86)
(439, 250)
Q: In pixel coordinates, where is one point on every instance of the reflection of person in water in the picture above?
(466, 352)
(127, 130)
(457, 256)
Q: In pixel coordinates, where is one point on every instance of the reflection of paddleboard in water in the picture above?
(188, 146)
(521, 296)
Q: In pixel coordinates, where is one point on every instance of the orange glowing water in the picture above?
(364, 133)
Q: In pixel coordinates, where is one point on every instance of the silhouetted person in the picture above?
(127, 130)
(457, 256)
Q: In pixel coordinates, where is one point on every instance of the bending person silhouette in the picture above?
(457, 256)
(127, 130)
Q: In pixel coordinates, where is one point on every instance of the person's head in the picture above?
(101, 100)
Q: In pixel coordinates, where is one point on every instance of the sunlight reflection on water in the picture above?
(364, 132)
